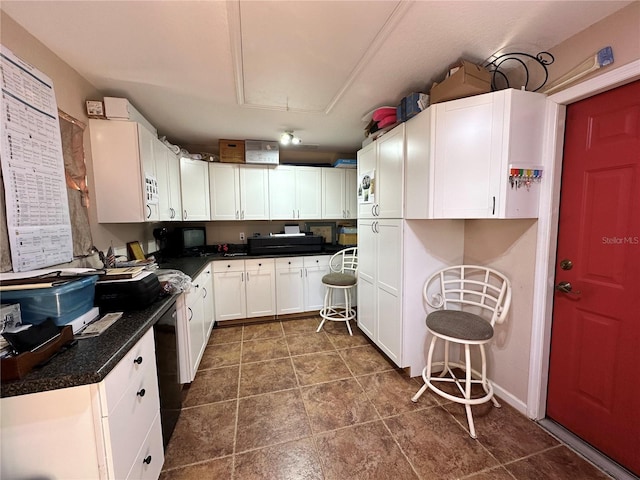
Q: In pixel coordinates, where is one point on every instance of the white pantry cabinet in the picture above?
(244, 288)
(339, 196)
(124, 171)
(194, 185)
(109, 430)
(295, 193)
(168, 175)
(395, 257)
(476, 142)
(383, 161)
(239, 192)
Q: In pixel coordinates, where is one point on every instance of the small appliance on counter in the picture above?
(127, 294)
(285, 244)
(187, 241)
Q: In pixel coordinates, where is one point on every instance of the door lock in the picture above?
(566, 264)
(565, 287)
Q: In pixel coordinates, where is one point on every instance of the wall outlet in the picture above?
(242, 236)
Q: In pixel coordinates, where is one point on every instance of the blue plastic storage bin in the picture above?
(62, 303)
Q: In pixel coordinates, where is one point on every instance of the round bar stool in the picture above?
(343, 276)
(469, 300)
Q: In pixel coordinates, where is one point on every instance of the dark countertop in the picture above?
(93, 358)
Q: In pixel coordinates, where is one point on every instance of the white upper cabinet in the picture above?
(238, 192)
(124, 172)
(194, 181)
(254, 193)
(168, 175)
(476, 143)
(383, 161)
(339, 196)
(295, 193)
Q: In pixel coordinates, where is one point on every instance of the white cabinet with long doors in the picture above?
(124, 172)
(295, 193)
(395, 257)
(339, 196)
(194, 182)
(197, 312)
(239, 192)
(383, 161)
(244, 288)
(168, 175)
(463, 152)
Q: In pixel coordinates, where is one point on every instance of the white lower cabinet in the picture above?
(395, 257)
(109, 430)
(196, 313)
(315, 268)
(289, 285)
(244, 288)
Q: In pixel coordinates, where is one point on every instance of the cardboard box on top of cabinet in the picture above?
(231, 151)
(466, 80)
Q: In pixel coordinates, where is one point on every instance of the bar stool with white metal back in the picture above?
(468, 300)
(343, 276)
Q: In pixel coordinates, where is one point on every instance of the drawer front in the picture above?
(259, 263)
(148, 463)
(317, 261)
(129, 370)
(228, 266)
(289, 262)
(130, 421)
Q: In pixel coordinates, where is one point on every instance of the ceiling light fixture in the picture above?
(288, 138)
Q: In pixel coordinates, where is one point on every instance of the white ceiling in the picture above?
(204, 70)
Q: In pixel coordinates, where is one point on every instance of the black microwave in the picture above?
(188, 240)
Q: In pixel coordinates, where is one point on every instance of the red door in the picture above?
(594, 374)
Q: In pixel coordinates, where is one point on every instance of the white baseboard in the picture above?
(507, 397)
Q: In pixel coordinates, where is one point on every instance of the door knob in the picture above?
(565, 287)
(566, 264)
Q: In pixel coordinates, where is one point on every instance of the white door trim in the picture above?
(548, 225)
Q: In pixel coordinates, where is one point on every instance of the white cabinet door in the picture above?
(419, 180)
(229, 290)
(389, 179)
(168, 175)
(122, 153)
(206, 279)
(224, 191)
(333, 193)
(478, 140)
(195, 322)
(194, 180)
(261, 287)
(389, 287)
(315, 268)
(308, 193)
(282, 193)
(366, 166)
(351, 192)
(254, 193)
(289, 285)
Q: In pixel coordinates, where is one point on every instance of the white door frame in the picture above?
(547, 236)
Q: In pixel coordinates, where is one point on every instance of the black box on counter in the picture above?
(130, 294)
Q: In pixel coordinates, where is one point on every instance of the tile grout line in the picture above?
(235, 428)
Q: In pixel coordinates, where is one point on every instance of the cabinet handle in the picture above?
(289, 263)
(242, 277)
(294, 213)
(147, 460)
(242, 215)
(190, 313)
(185, 214)
(493, 209)
(298, 213)
(141, 392)
(204, 295)
(300, 273)
(138, 360)
(247, 276)
(373, 210)
(237, 215)
(149, 208)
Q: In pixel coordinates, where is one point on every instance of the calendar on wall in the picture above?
(37, 211)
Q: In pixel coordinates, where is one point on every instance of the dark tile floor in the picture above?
(280, 401)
